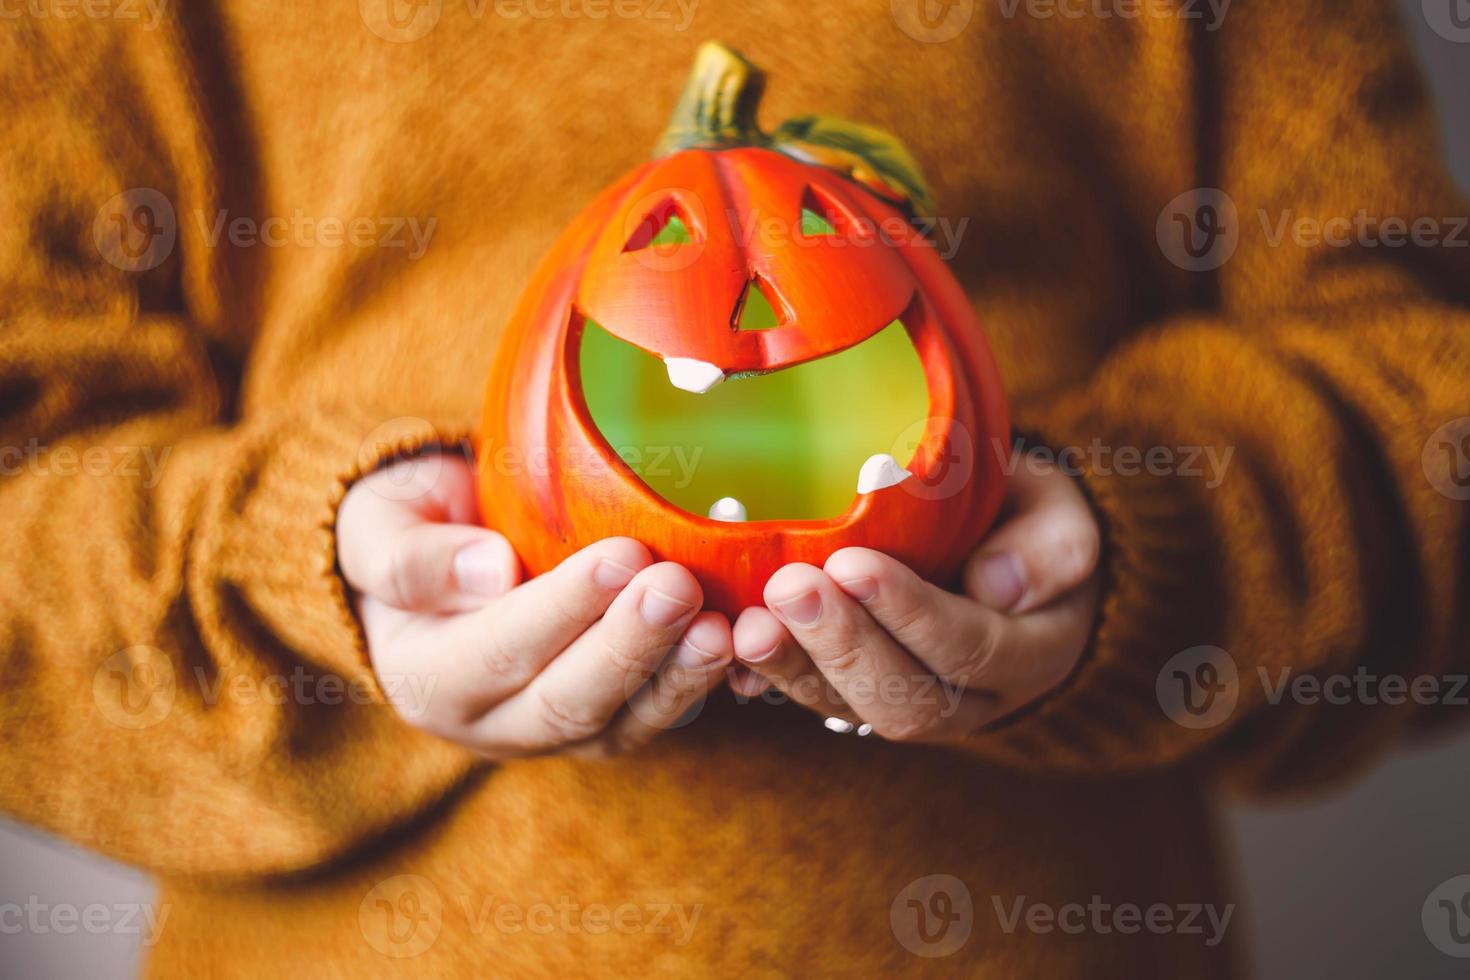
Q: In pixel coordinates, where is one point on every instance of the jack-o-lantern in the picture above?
(744, 354)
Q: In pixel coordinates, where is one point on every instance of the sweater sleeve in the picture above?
(1286, 577)
(185, 683)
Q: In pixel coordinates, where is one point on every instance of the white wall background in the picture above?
(1331, 889)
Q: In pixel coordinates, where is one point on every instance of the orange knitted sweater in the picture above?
(342, 203)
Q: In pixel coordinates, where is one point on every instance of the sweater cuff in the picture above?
(1114, 712)
(282, 550)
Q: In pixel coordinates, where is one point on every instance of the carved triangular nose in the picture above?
(757, 310)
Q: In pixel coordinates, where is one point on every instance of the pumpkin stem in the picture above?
(718, 104)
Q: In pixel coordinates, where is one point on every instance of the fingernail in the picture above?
(998, 580)
(764, 656)
(477, 569)
(692, 657)
(662, 610)
(803, 610)
(861, 589)
(612, 575)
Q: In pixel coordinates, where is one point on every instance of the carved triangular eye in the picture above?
(820, 215)
(664, 226)
(756, 311)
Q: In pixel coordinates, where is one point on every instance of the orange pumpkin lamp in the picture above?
(742, 354)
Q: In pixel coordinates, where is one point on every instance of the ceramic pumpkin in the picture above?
(743, 355)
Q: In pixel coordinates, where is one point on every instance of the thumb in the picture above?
(1047, 546)
(443, 568)
(398, 553)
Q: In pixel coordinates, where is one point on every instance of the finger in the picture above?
(407, 535)
(677, 691)
(1008, 659)
(439, 568)
(887, 687)
(767, 648)
(579, 692)
(481, 658)
(1047, 547)
(952, 635)
(745, 683)
(1036, 652)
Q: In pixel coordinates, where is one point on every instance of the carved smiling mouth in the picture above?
(793, 444)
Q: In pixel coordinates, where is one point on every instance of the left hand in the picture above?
(865, 639)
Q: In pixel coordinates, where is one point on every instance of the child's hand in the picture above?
(594, 657)
(865, 639)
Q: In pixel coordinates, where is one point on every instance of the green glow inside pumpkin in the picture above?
(674, 232)
(814, 224)
(787, 444)
(756, 311)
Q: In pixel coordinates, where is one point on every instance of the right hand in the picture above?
(592, 658)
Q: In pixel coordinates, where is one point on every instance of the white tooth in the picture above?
(839, 725)
(880, 471)
(692, 375)
(727, 509)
